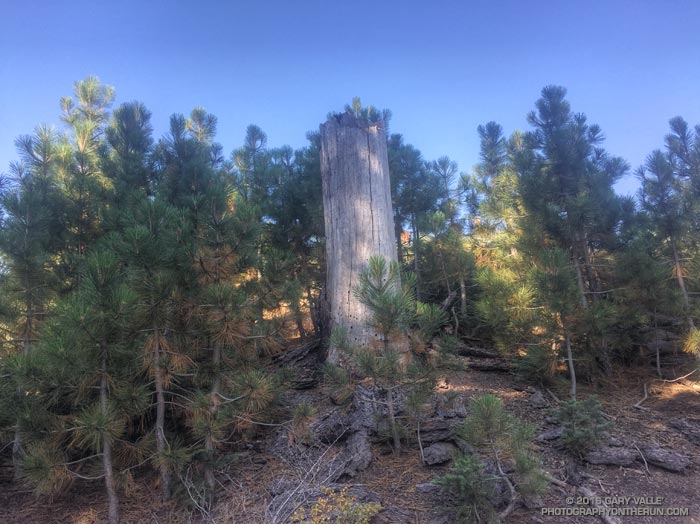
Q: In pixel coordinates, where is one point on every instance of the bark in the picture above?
(588, 267)
(678, 269)
(656, 337)
(570, 361)
(299, 319)
(416, 255)
(392, 420)
(110, 486)
(313, 309)
(463, 295)
(398, 229)
(17, 447)
(213, 409)
(161, 442)
(359, 220)
(579, 278)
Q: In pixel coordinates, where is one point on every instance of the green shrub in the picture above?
(583, 424)
(497, 436)
(469, 486)
(537, 365)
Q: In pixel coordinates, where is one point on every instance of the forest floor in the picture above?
(396, 478)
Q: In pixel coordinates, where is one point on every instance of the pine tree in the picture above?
(85, 363)
(415, 192)
(150, 248)
(127, 164)
(505, 301)
(391, 303)
(84, 184)
(27, 242)
(662, 197)
(566, 184)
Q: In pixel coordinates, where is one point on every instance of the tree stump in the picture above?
(358, 215)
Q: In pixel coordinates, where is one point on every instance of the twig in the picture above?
(679, 378)
(646, 466)
(602, 487)
(556, 399)
(638, 405)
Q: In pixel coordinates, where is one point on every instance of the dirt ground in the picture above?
(244, 496)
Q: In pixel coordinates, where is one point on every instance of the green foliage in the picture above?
(144, 284)
(95, 425)
(537, 365)
(429, 319)
(338, 382)
(468, 486)
(583, 424)
(498, 436)
(390, 300)
(691, 344)
(43, 469)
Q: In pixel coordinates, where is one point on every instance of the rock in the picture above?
(665, 459)
(614, 442)
(331, 427)
(427, 487)
(438, 429)
(369, 407)
(445, 408)
(532, 501)
(357, 455)
(690, 428)
(439, 453)
(463, 446)
(499, 495)
(550, 434)
(537, 400)
(611, 456)
(340, 396)
(395, 515)
(572, 474)
(302, 363)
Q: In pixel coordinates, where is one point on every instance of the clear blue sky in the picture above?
(442, 67)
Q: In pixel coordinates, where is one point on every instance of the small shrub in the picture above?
(691, 344)
(469, 486)
(338, 383)
(583, 424)
(498, 436)
(302, 416)
(336, 507)
(537, 365)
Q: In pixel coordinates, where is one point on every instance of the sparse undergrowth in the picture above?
(473, 482)
(337, 507)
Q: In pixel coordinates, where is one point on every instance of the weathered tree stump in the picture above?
(359, 219)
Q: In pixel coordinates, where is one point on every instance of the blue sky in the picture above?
(441, 67)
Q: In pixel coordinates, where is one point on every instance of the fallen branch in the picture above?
(590, 495)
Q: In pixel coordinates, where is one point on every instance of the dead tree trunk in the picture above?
(358, 216)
